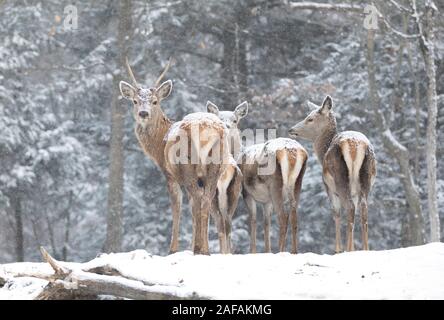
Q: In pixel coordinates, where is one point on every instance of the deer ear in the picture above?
(212, 108)
(327, 105)
(241, 110)
(127, 90)
(164, 89)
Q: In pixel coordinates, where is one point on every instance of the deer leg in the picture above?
(223, 236)
(336, 208)
(350, 225)
(233, 200)
(197, 226)
(364, 224)
(204, 210)
(338, 243)
(228, 235)
(251, 205)
(217, 217)
(267, 208)
(223, 204)
(193, 221)
(283, 222)
(294, 198)
(283, 226)
(176, 203)
(294, 228)
(278, 204)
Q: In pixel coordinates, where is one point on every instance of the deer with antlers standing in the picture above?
(157, 139)
(348, 163)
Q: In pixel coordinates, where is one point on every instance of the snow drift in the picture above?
(407, 273)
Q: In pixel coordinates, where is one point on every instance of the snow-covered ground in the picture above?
(408, 273)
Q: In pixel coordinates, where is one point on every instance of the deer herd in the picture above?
(203, 154)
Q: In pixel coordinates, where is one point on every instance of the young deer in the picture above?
(277, 189)
(230, 182)
(349, 167)
(152, 126)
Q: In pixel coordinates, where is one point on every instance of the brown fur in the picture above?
(151, 139)
(199, 180)
(271, 191)
(230, 183)
(349, 167)
(223, 215)
(338, 181)
(349, 145)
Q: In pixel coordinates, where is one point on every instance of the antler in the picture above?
(163, 73)
(130, 72)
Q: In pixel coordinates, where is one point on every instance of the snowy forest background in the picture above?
(65, 134)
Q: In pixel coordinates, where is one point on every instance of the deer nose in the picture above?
(143, 114)
(292, 132)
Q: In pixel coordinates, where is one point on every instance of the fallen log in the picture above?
(84, 285)
(71, 281)
(2, 279)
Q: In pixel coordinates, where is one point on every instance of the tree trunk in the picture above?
(242, 55)
(67, 231)
(397, 151)
(417, 95)
(427, 45)
(228, 65)
(19, 237)
(114, 231)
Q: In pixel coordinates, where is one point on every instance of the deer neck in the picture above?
(151, 137)
(234, 141)
(323, 142)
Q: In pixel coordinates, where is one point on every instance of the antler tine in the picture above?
(130, 71)
(163, 73)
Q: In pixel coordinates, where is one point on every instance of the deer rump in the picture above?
(289, 157)
(345, 165)
(290, 162)
(273, 174)
(206, 156)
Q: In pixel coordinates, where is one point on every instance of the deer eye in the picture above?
(310, 120)
(135, 101)
(155, 102)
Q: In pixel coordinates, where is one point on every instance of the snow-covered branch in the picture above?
(351, 8)
(341, 7)
(95, 278)
(400, 7)
(395, 31)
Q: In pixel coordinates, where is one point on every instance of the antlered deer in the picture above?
(349, 167)
(276, 189)
(230, 182)
(152, 128)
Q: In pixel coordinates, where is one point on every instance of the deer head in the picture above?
(146, 101)
(229, 118)
(317, 121)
